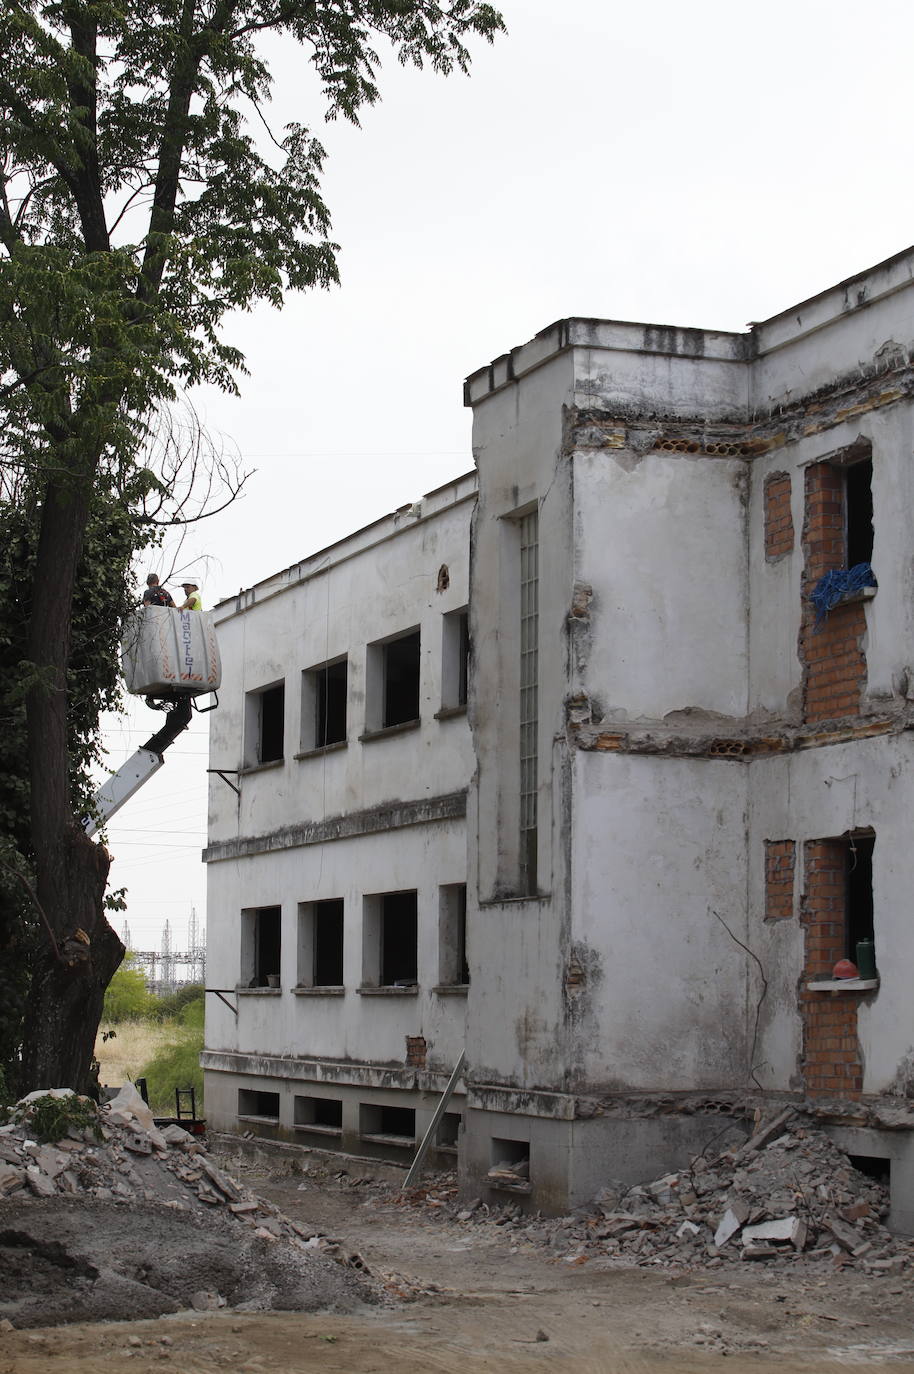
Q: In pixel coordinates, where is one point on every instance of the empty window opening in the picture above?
(455, 657)
(874, 1167)
(324, 697)
(529, 699)
(858, 501)
(258, 1106)
(401, 680)
(328, 943)
(265, 724)
(399, 933)
(320, 944)
(387, 1125)
(389, 940)
(261, 935)
(859, 892)
(453, 968)
(322, 1115)
(449, 1132)
(510, 1164)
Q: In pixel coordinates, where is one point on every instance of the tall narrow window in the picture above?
(859, 898)
(320, 944)
(529, 697)
(264, 725)
(455, 652)
(858, 506)
(453, 970)
(261, 946)
(401, 680)
(324, 691)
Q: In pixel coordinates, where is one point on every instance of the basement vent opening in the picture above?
(510, 1165)
(254, 1105)
(320, 1115)
(874, 1167)
(448, 1132)
(394, 1126)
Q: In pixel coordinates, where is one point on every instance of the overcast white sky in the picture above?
(703, 164)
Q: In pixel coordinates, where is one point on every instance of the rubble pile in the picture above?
(787, 1195)
(131, 1220)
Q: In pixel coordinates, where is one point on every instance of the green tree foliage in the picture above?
(126, 997)
(171, 1006)
(140, 200)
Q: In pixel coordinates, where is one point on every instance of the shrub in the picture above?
(175, 1065)
(192, 1013)
(50, 1118)
(170, 1006)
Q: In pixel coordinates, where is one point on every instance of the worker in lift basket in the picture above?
(194, 601)
(156, 595)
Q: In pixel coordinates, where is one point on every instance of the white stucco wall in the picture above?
(659, 844)
(661, 539)
(381, 582)
(347, 598)
(353, 1026)
(834, 333)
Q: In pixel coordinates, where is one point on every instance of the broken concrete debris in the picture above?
(160, 1179)
(788, 1195)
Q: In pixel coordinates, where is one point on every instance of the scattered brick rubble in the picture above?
(121, 1158)
(787, 1196)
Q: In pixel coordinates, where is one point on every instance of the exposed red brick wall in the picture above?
(832, 1064)
(415, 1051)
(779, 535)
(834, 664)
(780, 862)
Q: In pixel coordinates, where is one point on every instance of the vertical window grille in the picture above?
(529, 696)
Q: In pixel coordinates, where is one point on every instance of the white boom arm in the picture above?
(121, 786)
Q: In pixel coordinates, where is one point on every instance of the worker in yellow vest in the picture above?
(194, 601)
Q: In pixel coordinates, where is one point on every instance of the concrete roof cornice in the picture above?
(790, 326)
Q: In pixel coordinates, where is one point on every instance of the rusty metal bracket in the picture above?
(221, 772)
(219, 993)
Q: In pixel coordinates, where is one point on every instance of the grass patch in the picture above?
(133, 1045)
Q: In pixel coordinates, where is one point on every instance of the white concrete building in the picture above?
(675, 803)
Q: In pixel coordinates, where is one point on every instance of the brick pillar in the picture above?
(832, 1065)
(780, 863)
(779, 536)
(834, 665)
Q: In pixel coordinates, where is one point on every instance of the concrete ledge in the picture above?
(372, 821)
(318, 992)
(843, 985)
(258, 992)
(386, 730)
(322, 749)
(411, 991)
(451, 712)
(260, 767)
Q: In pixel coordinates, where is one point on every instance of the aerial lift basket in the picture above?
(168, 653)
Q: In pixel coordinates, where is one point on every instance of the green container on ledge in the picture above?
(866, 958)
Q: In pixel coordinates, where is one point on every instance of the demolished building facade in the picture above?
(562, 766)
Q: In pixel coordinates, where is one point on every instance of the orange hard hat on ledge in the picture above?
(845, 969)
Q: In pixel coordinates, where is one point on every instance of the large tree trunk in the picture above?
(81, 951)
(68, 986)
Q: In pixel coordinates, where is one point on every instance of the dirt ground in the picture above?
(467, 1298)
